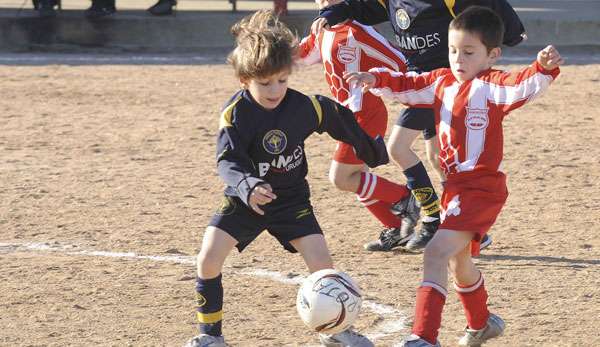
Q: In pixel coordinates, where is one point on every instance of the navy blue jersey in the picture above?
(421, 26)
(256, 145)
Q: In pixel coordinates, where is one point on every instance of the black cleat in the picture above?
(419, 240)
(389, 239)
(409, 209)
(46, 8)
(485, 242)
(101, 8)
(163, 7)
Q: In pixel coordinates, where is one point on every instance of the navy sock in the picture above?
(417, 180)
(209, 296)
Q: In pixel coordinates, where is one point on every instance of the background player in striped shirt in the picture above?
(470, 100)
(352, 47)
(421, 30)
(261, 159)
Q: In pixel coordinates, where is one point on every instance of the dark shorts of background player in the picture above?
(286, 220)
(418, 119)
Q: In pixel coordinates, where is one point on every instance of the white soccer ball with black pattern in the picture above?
(328, 301)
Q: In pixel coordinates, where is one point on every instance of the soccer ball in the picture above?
(328, 301)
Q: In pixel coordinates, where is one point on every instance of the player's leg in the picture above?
(409, 125)
(216, 246)
(233, 225)
(375, 193)
(470, 288)
(431, 295)
(313, 249)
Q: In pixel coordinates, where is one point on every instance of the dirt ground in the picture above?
(121, 159)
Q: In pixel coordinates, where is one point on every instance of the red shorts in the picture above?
(373, 122)
(471, 202)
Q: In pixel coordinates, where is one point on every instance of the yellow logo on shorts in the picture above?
(422, 194)
(303, 213)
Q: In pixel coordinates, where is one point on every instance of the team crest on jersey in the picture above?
(402, 19)
(346, 54)
(477, 118)
(274, 141)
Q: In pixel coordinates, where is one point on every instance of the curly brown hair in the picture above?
(264, 46)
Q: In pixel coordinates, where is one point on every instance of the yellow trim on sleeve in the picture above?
(382, 3)
(450, 5)
(227, 114)
(209, 318)
(318, 108)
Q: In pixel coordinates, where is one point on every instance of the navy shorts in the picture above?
(418, 119)
(286, 220)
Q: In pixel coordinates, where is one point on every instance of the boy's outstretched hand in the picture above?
(549, 58)
(261, 194)
(365, 80)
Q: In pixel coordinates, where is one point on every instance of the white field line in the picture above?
(393, 321)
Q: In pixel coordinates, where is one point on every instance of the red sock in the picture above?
(373, 187)
(474, 300)
(381, 211)
(428, 311)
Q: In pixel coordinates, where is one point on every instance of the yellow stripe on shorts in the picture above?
(209, 318)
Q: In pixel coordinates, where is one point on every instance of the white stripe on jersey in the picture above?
(376, 35)
(530, 88)
(445, 135)
(327, 45)
(475, 141)
(355, 95)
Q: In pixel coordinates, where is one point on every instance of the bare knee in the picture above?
(208, 266)
(401, 152)
(437, 254)
(344, 181)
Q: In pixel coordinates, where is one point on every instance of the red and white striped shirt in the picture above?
(350, 47)
(468, 116)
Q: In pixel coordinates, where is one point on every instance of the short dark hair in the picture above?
(483, 22)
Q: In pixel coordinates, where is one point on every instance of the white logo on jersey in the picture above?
(453, 208)
(346, 54)
(477, 118)
(283, 163)
(402, 19)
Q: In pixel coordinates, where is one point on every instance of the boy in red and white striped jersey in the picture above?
(470, 101)
(352, 47)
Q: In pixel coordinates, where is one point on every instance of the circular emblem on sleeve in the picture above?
(275, 141)
(402, 19)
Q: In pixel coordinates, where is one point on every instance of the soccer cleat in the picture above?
(485, 242)
(347, 338)
(495, 327)
(204, 340)
(163, 7)
(100, 8)
(389, 239)
(415, 341)
(409, 209)
(419, 240)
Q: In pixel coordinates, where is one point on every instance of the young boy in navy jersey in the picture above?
(421, 28)
(260, 156)
(470, 100)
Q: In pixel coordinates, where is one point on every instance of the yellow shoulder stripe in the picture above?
(318, 109)
(382, 3)
(227, 114)
(450, 5)
(210, 318)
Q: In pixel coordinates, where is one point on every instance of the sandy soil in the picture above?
(121, 159)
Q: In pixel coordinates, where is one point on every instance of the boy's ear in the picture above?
(495, 54)
(244, 83)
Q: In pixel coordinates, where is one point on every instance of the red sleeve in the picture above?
(308, 51)
(416, 90)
